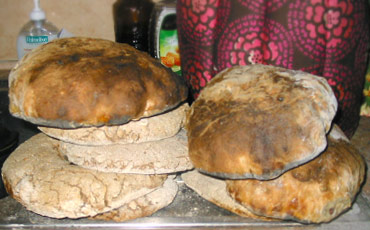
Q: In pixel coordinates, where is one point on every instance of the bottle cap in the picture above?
(37, 13)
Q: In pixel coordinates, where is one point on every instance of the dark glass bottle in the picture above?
(131, 22)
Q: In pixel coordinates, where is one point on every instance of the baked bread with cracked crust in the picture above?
(145, 205)
(152, 128)
(315, 192)
(214, 190)
(258, 121)
(38, 177)
(83, 82)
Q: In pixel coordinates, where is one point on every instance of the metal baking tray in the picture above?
(187, 211)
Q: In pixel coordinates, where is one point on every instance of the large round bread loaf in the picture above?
(38, 176)
(152, 128)
(80, 82)
(259, 121)
(315, 192)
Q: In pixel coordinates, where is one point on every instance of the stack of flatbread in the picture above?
(112, 131)
(263, 143)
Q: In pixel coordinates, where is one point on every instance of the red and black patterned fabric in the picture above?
(325, 37)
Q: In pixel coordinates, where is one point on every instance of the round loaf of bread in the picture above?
(82, 82)
(38, 176)
(315, 192)
(259, 121)
(152, 128)
(168, 155)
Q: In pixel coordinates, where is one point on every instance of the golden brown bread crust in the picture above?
(79, 82)
(259, 121)
(314, 192)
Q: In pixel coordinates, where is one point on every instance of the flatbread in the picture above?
(146, 129)
(214, 190)
(259, 121)
(145, 205)
(37, 176)
(156, 157)
(82, 82)
(315, 192)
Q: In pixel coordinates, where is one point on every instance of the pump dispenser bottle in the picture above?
(36, 32)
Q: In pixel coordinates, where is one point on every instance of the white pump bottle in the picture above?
(36, 32)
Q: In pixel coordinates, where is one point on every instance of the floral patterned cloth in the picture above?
(324, 37)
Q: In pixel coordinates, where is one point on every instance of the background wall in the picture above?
(92, 18)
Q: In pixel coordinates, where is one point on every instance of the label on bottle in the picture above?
(168, 44)
(37, 39)
(169, 50)
(27, 43)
